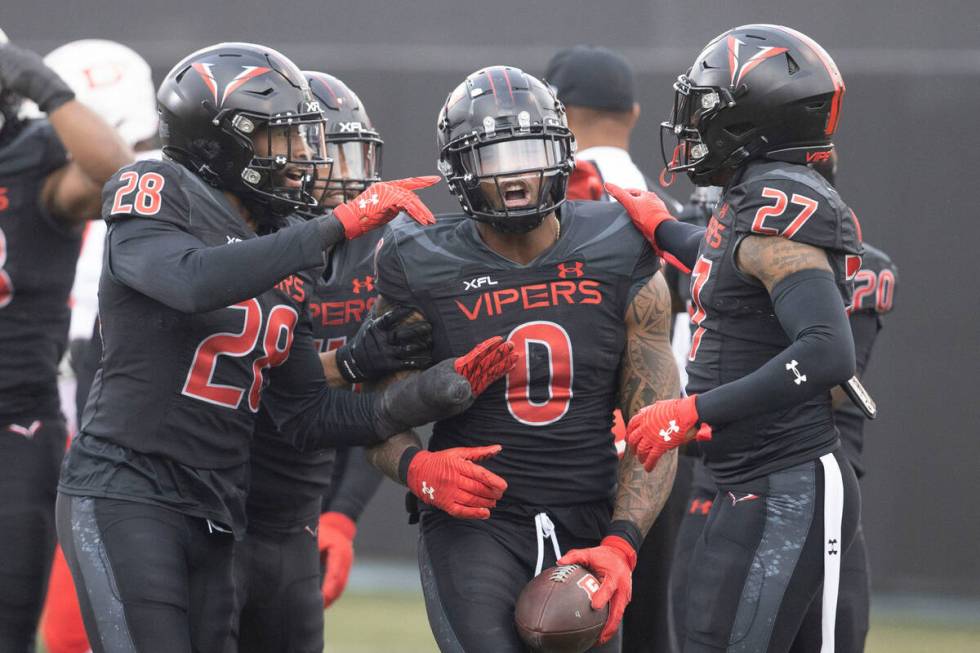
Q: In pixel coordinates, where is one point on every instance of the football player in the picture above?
(115, 82)
(597, 87)
(51, 175)
(202, 301)
(578, 293)
(771, 276)
(873, 297)
(277, 568)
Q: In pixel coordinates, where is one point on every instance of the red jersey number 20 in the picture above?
(276, 343)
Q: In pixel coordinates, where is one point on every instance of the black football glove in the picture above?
(24, 73)
(384, 345)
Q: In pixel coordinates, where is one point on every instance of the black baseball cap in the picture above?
(591, 76)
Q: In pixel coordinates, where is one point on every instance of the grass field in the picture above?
(396, 623)
(374, 623)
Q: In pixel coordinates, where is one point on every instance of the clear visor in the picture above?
(514, 156)
(290, 157)
(354, 160)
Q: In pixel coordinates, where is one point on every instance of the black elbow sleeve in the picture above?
(821, 354)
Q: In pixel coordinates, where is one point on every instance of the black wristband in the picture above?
(404, 462)
(346, 365)
(628, 531)
(331, 231)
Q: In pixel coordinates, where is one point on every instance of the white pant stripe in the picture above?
(833, 514)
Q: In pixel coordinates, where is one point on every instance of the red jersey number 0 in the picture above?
(518, 393)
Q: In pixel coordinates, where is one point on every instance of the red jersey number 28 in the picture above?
(147, 199)
(275, 347)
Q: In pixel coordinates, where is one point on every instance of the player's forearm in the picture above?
(820, 357)
(331, 373)
(176, 269)
(95, 147)
(387, 456)
(641, 495)
(680, 239)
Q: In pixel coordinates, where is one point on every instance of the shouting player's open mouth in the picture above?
(516, 193)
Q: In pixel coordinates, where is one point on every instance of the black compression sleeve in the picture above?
(176, 268)
(358, 482)
(680, 239)
(811, 312)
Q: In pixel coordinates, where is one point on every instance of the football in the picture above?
(554, 611)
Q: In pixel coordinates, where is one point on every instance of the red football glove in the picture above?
(585, 182)
(449, 481)
(663, 426)
(647, 211)
(335, 538)
(380, 203)
(486, 363)
(612, 562)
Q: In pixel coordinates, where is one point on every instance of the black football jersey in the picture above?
(179, 390)
(286, 485)
(564, 312)
(735, 328)
(874, 296)
(37, 269)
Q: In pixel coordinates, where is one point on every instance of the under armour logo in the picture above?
(363, 284)
(832, 547)
(233, 239)
(26, 431)
(428, 491)
(800, 378)
(737, 499)
(364, 202)
(577, 269)
(671, 428)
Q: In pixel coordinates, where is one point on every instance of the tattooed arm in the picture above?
(770, 260)
(649, 374)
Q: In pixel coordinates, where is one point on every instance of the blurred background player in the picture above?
(578, 293)
(597, 87)
(51, 176)
(301, 503)
(772, 274)
(116, 83)
(874, 294)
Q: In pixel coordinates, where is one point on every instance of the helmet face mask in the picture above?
(506, 157)
(757, 91)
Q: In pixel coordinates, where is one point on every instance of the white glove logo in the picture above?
(428, 491)
(671, 428)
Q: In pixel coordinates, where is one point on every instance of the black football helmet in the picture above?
(505, 148)
(241, 116)
(353, 144)
(757, 91)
